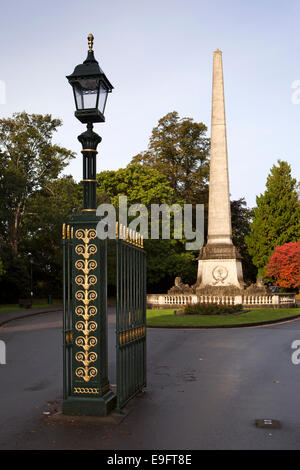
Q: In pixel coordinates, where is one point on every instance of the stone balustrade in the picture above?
(157, 301)
(258, 299)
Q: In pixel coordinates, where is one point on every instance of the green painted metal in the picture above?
(86, 385)
(67, 317)
(89, 140)
(85, 370)
(130, 320)
(86, 389)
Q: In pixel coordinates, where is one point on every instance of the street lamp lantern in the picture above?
(90, 87)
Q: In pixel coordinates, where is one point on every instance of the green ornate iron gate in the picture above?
(131, 314)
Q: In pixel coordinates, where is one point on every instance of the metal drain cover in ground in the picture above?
(268, 423)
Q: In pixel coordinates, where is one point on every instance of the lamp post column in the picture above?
(86, 385)
(89, 141)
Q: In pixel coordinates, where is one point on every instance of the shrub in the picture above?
(284, 265)
(211, 309)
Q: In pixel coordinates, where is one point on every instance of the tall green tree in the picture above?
(276, 219)
(179, 149)
(140, 184)
(241, 218)
(145, 185)
(47, 210)
(28, 161)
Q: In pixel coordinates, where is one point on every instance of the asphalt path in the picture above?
(205, 390)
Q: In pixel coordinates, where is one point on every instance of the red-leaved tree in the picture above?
(284, 265)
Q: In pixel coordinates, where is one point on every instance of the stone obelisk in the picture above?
(219, 261)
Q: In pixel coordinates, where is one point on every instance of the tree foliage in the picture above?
(32, 201)
(140, 184)
(47, 210)
(28, 161)
(179, 149)
(284, 265)
(276, 219)
(2, 271)
(167, 259)
(146, 185)
(241, 217)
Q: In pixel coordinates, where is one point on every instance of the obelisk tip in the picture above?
(217, 51)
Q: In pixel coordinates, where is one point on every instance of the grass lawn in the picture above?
(40, 303)
(166, 318)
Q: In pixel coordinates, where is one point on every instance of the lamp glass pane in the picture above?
(86, 93)
(102, 97)
(78, 96)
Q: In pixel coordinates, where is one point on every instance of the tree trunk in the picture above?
(16, 227)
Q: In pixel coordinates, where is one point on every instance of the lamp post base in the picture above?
(102, 406)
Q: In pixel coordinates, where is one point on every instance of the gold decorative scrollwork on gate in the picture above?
(86, 325)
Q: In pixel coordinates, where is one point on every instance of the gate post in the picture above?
(86, 385)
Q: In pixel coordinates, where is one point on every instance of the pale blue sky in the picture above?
(158, 55)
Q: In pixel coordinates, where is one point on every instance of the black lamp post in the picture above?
(86, 385)
(90, 88)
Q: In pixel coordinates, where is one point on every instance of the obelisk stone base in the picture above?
(219, 265)
(220, 273)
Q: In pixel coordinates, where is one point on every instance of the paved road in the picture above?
(205, 390)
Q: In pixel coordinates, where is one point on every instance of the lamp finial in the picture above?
(91, 42)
